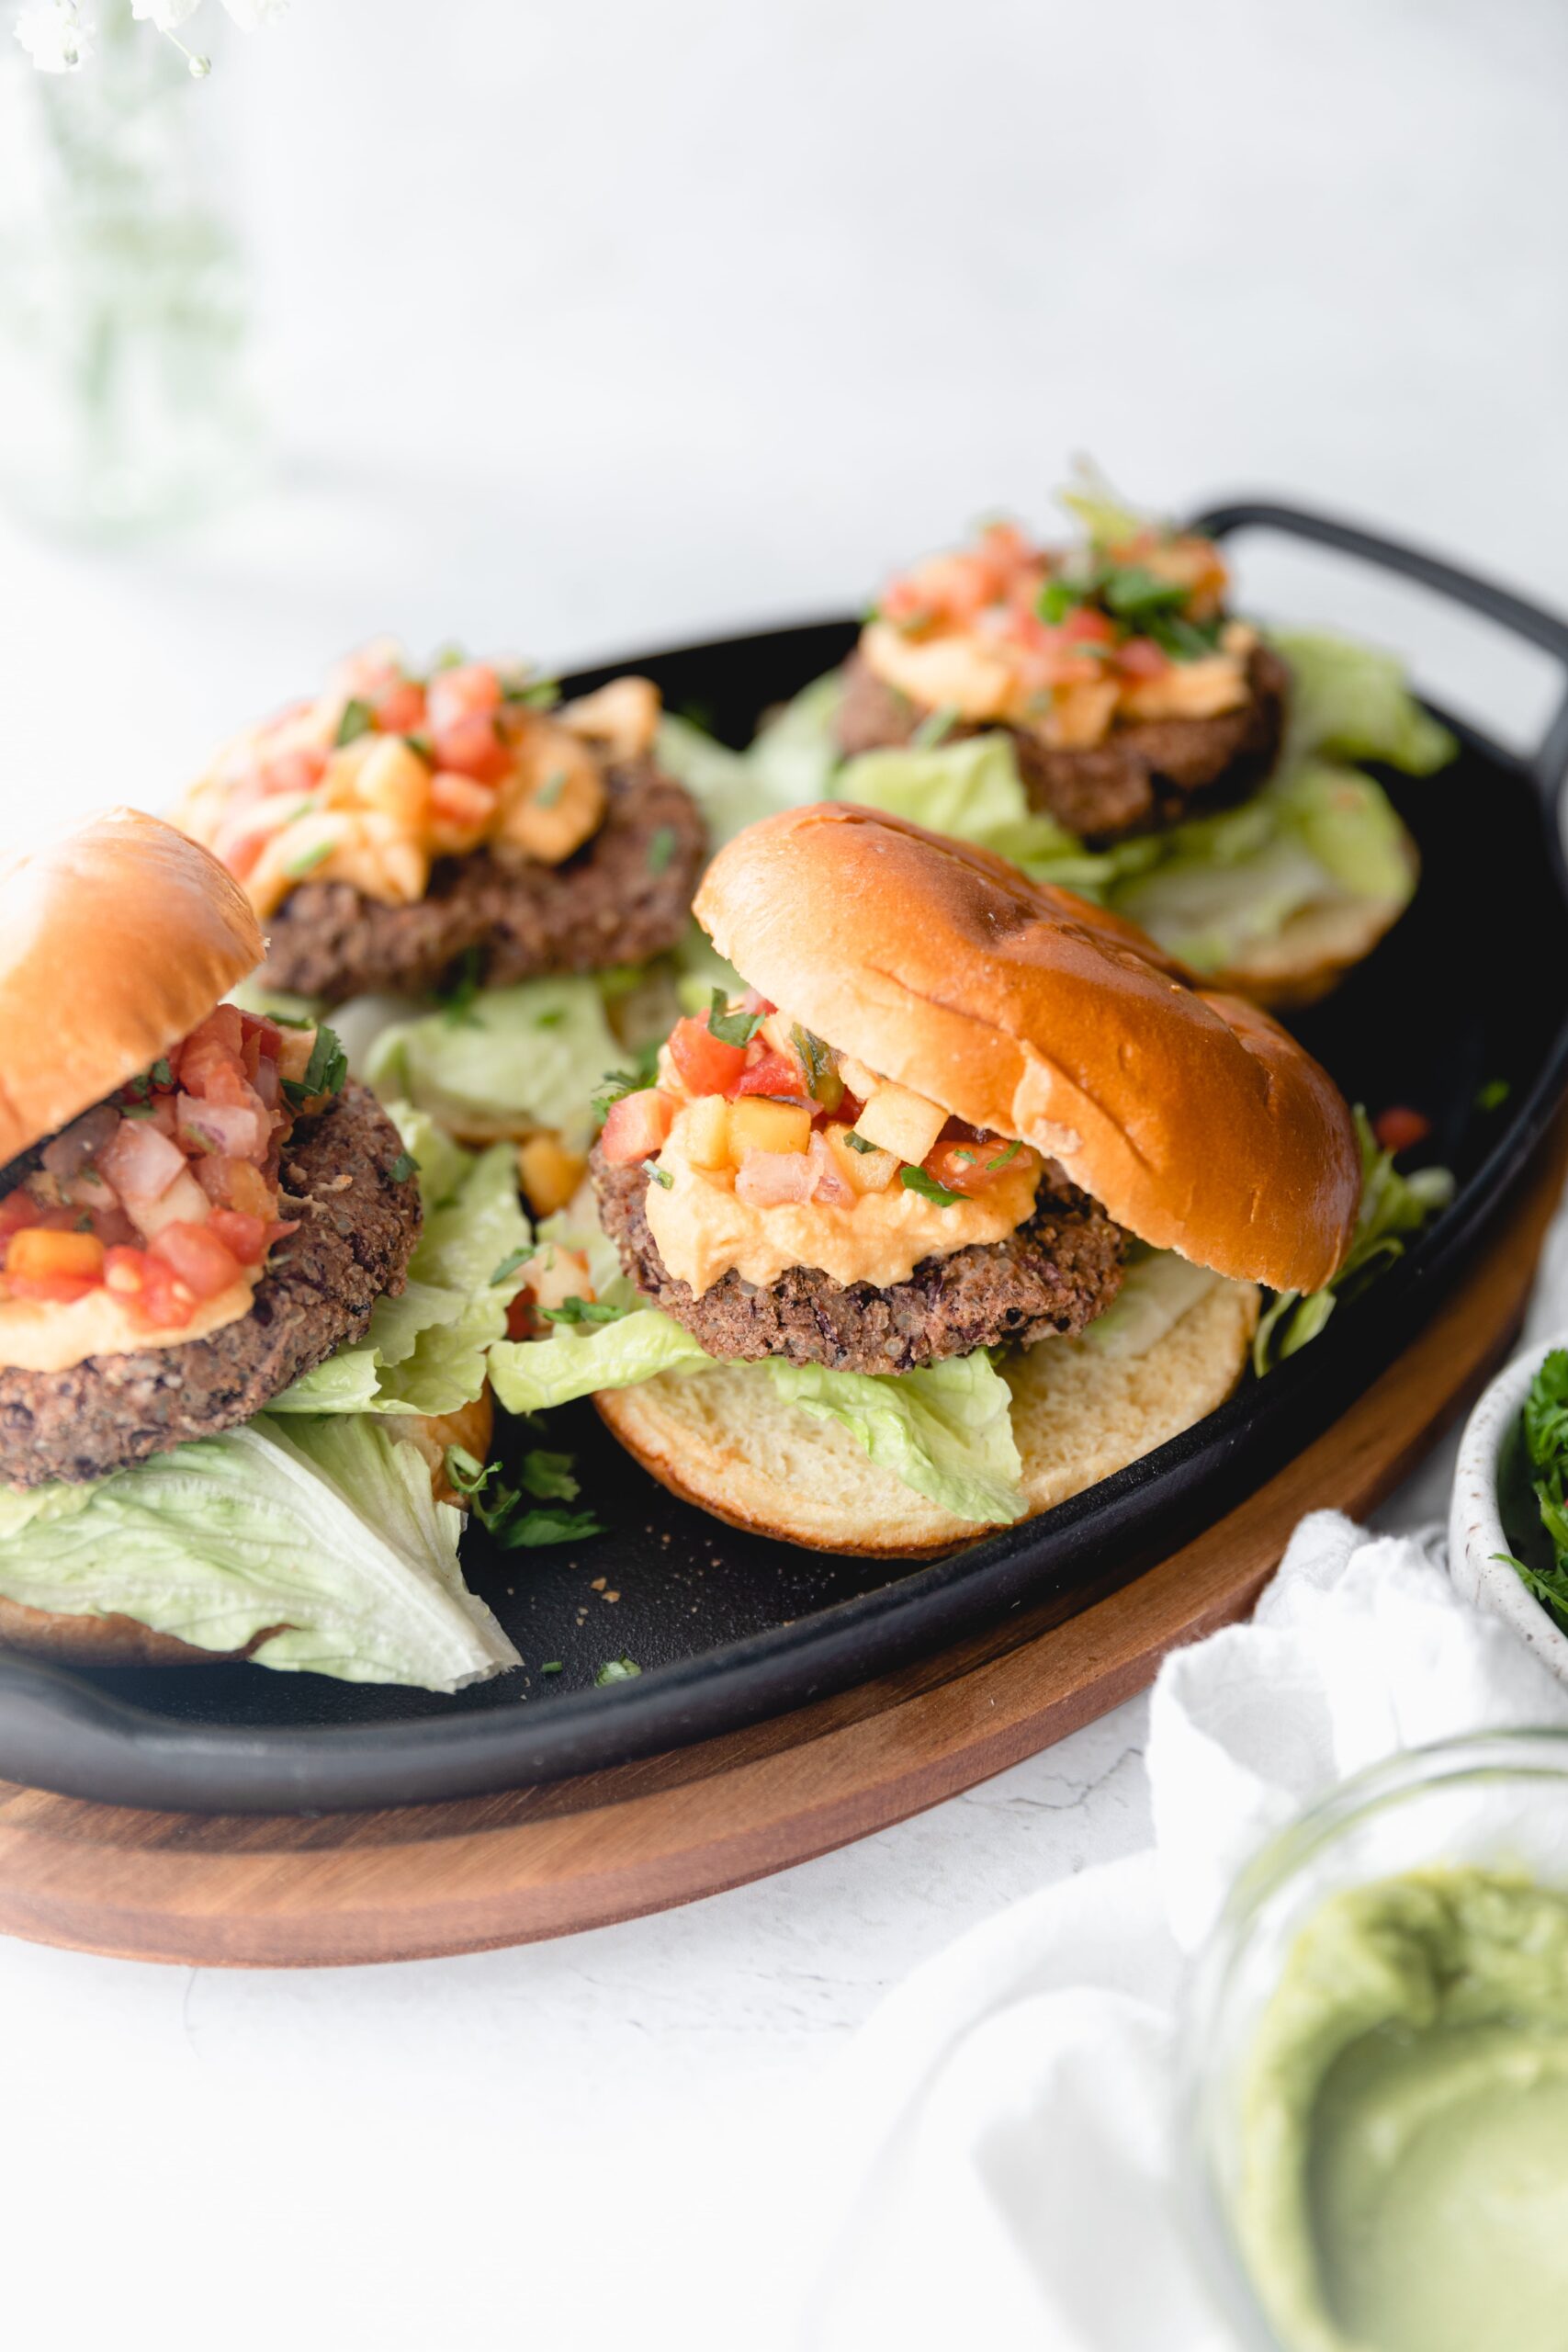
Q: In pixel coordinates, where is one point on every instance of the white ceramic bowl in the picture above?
(1493, 1480)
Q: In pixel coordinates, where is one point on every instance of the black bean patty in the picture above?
(623, 896)
(1056, 1273)
(1142, 776)
(358, 1223)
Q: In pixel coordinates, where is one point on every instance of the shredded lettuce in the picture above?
(530, 1375)
(1157, 1291)
(425, 1350)
(945, 1430)
(972, 789)
(320, 1535)
(791, 761)
(1393, 1207)
(534, 1052)
(1101, 510)
(1351, 702)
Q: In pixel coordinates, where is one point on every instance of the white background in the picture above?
(592, 326)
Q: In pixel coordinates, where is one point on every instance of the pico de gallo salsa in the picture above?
(785, 1117)
(1071, 640)
(168, 1195)
(388, 770)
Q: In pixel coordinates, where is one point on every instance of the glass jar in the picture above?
(122, 293)
(1497, 1802)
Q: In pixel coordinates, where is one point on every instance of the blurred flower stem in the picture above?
(122, 296)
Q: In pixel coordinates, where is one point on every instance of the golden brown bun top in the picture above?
(1194, 1120)
(116, 938)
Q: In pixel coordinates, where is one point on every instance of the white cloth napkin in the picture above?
(994, 2160)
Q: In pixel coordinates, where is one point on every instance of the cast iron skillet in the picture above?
(1471, 988)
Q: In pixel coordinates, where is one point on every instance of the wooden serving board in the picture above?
(292, 1890)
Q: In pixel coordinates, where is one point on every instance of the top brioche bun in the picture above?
(116, 938)
(1193, 1119)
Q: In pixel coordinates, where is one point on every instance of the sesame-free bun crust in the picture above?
(116, 938)
(729, 1441)
(1193, 1119)
(102, 1638)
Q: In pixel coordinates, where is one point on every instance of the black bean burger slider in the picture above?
(194, 1208)
(949, 1104)
(397, 829)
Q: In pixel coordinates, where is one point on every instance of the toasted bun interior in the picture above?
(1191, 1117)
(729, 1441)
(102, 1638)
(116, 938)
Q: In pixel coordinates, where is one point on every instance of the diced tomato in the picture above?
(1086, 625)
(1142, 658)
(61, 1290)
(245, 1237)
(777, 1075)
(472, 747)
(522, 1322)
(295, 772)
(267, 1034)
(459, 800)
(1400, 1128)
(399, 709)
(17, 1209)
(849, 1110)
(468, 691)
(38, 1253)
(151, 1288)
(202, 1261)
(968, 1164)
(638, 1127)
(707, 1066)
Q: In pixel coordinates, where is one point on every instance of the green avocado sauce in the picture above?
(1405, 2185)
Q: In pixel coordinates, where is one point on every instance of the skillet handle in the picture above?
(1549, 762)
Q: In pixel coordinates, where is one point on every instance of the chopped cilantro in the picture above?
(1137, 594)
(551, 1018)
(306, 861)
(657, 1175)
(968, 1158)
(859, 1143)
(502, 1510)
(617, 980)
(1056, 599)
(1005, 1159)
(731, 1028)
(403, 1167)
(450, 657)
(423, 748)
(550, 791)
(618, 1669)
(324, 1073)
(547, 1476)
(551, 1666)
(581, 1310)
(915, 1179)
(509, 1263)
(1184, 641)
(357, 719)
(1493, 1096)
(661, 849)
(161, 1074)
(617, 1082)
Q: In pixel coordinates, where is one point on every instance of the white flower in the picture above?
(170, 15)
(167, 15)
(56, 36)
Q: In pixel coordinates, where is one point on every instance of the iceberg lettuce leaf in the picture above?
(1351, 701)
(945, 1430)
(323, 1537)
(531, 1054)
(530, 1375)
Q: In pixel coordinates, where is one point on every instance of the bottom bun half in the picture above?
(99, 1637)
(730, 1443)
(1310, 953)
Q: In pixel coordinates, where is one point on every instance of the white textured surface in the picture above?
(594, 327)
